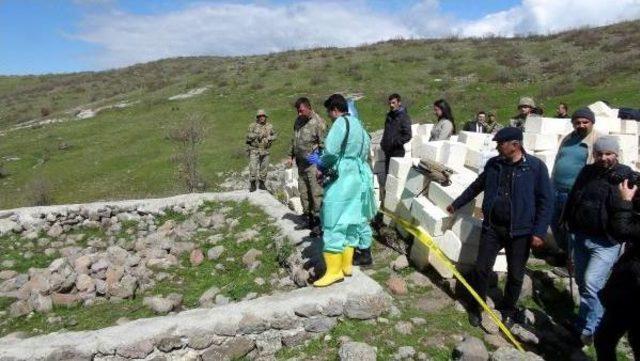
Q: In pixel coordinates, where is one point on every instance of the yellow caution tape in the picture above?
(423, 236)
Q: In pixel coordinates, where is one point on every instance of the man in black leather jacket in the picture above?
(621, 294)
(397, 130)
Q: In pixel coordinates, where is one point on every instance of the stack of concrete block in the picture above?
(290, 188)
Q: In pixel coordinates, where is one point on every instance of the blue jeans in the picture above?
(593, 259)
(559, 235)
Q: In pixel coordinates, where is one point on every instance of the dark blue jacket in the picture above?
(531, 195)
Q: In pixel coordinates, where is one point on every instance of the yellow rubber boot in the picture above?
(334, 270)
(347, 261)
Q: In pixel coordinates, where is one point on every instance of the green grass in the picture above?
(125, 153)
(235, 281)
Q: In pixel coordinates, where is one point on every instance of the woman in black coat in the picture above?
(621, 295)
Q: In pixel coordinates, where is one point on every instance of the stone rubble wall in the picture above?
(257, 328)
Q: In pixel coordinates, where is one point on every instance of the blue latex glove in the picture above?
(315, 159)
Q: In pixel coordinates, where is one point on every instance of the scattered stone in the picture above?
(215, 252)
(404, 327)
(20, 308)
(365, 308)
(307, 310)
(40, 303)
(259, 281)
(158, 304)
(55, 231)
(397, 285)
(137, 350)
(511, 354)
(356, 351)
(208, 297)
(169, 343)
(268, 343)
(418, 321)
(9, 263)
(7, 274)
(222, 299)
(250, 323)
(196, 257)
(488, 325)
(524, 335)
(404, 353)
(400, 263)
(319, 324)
(250, 258)
(470, 349)
(64, 299)
(495, 341)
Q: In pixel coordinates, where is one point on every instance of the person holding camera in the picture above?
(621, 295)
(594, 246)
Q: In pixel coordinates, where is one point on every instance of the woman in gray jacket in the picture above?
(445, 127)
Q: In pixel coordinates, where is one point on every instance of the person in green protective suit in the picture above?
(349, 203)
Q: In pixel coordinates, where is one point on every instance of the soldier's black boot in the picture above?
(362, 257)
(252, 186)
(261, 185)
(316, 228)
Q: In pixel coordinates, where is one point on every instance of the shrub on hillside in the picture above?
(39, 192)
(187, 139)
(45, 112)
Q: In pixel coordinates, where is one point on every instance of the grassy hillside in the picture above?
(124, 153)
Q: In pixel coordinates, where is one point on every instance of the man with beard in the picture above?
(594, 246)
(397, 130)
(576, 150)
(308, 137)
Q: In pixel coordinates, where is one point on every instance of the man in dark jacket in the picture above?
(479, 125)
(517, 209)
(594, 247)
(397, 130)
(621, 295)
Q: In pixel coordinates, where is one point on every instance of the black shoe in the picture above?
(475, 318)
(262, 186)
(362, 257)
(316, 228)
(252, 186)
(508, 321)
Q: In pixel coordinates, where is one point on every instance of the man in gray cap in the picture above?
(517, 209)
(260, 137)
(586, 214)
(526, 107)
(575, 151)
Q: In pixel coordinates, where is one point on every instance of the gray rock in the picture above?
(158, 304)
(319, 324)
(20, 308)
(524, 335)
(307, 310)
(268, 343)
(207, 299)
(84, 283)
(169, 343)
(40, 303)
(117, 255)
(418, 321)
(284, 321)
(333, 308)
(250, 258)
(294, 337)
(404, 353)
(404, 327)
(251, 323)
(470, 349)
(511, 354)
(126, 288)
(233, 349)
(215, 252)
(222, 299)
(136, 350)
(7, 274)
(9, 263)
(201, 339)
(400, 263)
(356, 351)
(55, 231)
(366, 307)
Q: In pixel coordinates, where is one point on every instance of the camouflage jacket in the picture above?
(307, 136)
(260, 137)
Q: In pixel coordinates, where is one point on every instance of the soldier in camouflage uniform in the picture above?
(260, 136)
(308, 135)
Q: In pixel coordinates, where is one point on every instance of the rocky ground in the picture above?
(92, 269)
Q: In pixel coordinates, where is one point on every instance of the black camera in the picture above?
(633, 178)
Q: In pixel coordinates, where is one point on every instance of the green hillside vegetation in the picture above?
(124, 153)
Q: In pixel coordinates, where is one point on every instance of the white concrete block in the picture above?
(407, 146)
(415, 183)
(408, 154)
(629, 126)
(439, 266)
(289, 175)
(450, 245)
(548, 157)
(443, 196)
(463, 176)
(501, 263)
(295, 204)
(454, 154)
(600, 109)
(608, 124)
(477, 159)
(419, 255)
(453, 138)
(393, 191)
(477, 141)
(534, 142)
(467, 228)
(548, 126)
(399, 167)
(424, 130)
(628, 148)
(433, 219)
(433, 150)
(416, 143)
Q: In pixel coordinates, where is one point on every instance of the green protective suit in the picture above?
(349, 203)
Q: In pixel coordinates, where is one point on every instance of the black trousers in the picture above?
(493, 239)
(614, 324)
(387, 158)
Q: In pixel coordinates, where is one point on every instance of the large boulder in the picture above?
(470, 349)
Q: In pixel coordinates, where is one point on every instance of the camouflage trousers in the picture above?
(258, 165)
(310, 190)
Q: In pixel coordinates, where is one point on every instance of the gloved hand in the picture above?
(315, 159)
